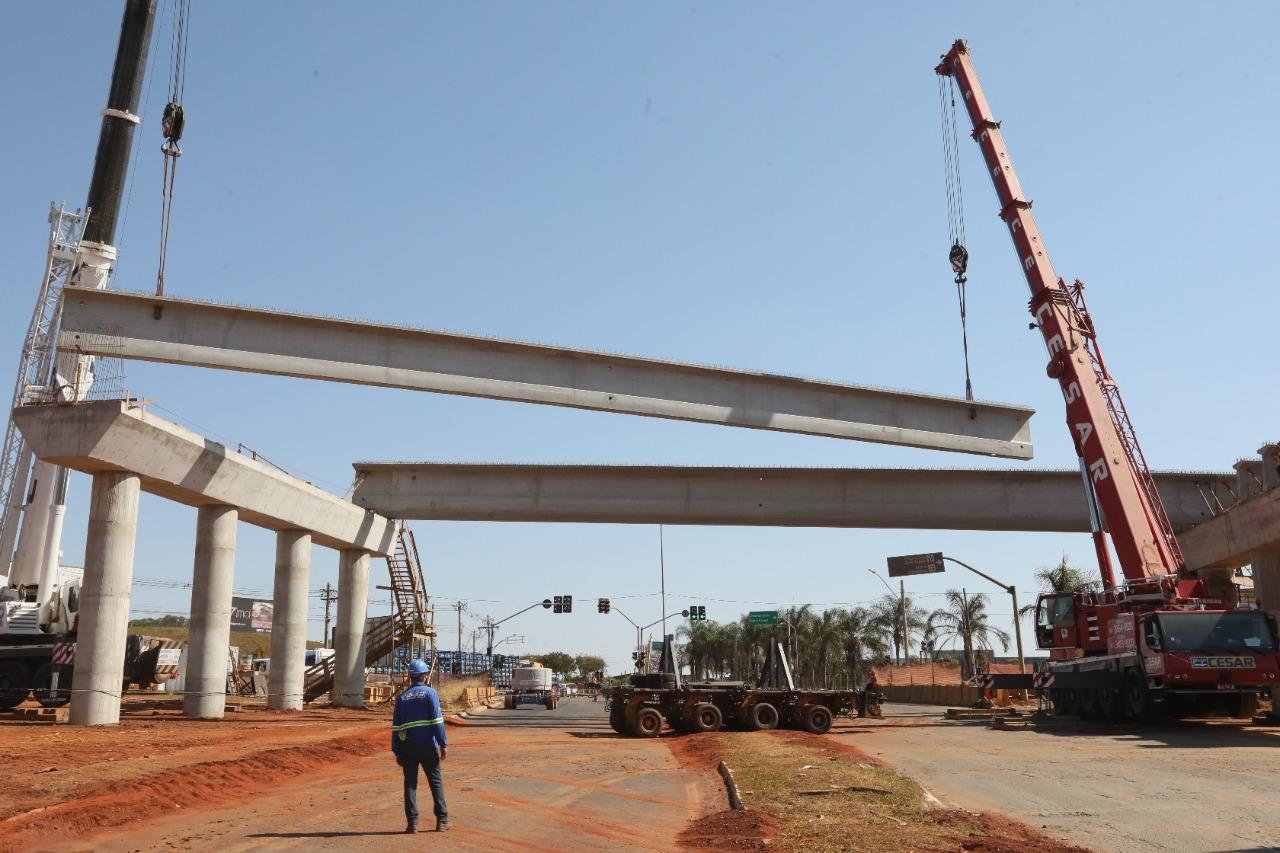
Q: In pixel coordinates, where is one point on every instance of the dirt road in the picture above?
(526, 780)
(1179, 787)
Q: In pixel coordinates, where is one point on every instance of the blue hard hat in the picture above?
(418, 667)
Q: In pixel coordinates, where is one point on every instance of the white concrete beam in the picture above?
(141, 326)
(180, 465)
(784, 497)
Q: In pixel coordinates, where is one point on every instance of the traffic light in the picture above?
(602, 605)
(568, 604)
(696, 613)
(557, 604)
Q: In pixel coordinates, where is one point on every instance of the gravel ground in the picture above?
(1181, 786)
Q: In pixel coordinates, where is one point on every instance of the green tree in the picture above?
(556, 662)
(965, 618)
(588, 664)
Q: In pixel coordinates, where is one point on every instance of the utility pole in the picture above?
(329, 595)
(662, 563)
(968, 636)
(460, 606)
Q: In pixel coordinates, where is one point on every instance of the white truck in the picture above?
(38, 644)
(532, 685)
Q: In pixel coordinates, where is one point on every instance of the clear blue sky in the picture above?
(750, 184)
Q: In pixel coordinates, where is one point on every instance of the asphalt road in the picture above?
(1181, 786)
(519, 781)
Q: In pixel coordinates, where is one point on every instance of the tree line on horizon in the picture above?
(838, 646)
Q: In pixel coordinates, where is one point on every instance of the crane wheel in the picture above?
(648, 723)
(704, 717)
(15, 684)
(1091, 703)
(816, 719)
(1110, 704)
(1138, 701)
(1062, 702)
(43, 684)
(761, 716)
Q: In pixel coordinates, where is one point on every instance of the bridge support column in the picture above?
(348, 634)
(205, 690)
(104, 600)
(289, 621)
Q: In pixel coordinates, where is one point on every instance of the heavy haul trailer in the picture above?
(643, 707)
(1163, 638)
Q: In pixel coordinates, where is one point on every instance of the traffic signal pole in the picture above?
(1013, 593)
(490, 625)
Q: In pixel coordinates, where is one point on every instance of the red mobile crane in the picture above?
(1152, 643)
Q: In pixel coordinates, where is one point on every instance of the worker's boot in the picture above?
(442, 825)
(411, 827)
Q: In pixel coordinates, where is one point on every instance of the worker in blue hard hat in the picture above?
(417, 738)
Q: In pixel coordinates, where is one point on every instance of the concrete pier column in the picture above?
(348, 634)
(205, 694)
(289, 621)
(104, 599)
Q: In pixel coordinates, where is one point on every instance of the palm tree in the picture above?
(861, 640)
(888, 613)
(965, 618)
(1061, 578)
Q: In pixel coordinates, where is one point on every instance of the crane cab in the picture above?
(1056, 621)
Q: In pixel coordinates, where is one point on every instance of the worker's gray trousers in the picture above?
(412, 755)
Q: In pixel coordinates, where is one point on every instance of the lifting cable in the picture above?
(959, 255)
(171, 126)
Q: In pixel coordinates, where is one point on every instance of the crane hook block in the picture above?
(172, 122)
(959, 259)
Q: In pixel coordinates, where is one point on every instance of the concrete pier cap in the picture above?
(176, 463)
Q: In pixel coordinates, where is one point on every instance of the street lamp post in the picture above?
(902, 611)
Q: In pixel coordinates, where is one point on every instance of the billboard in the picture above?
(250, 614)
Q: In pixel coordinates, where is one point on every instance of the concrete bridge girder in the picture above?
(142, 326)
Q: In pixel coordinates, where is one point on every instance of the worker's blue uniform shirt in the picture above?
(417, 719)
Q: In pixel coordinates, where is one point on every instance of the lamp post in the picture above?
(902, 611)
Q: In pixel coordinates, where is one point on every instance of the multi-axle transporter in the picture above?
(643, 707)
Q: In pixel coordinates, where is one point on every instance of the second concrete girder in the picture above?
(784, 497)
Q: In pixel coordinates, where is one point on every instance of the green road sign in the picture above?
(656, 645)
(762, 617)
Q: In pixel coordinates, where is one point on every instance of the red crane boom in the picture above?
(1115, 469)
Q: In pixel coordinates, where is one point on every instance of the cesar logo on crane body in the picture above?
(1222, 663)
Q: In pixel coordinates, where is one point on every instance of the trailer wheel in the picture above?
(618, 718)
(43, 681)
(816, 719)
(648, 723)
(761, 716)
(1138, 701)
(15, 684)
(705, 717)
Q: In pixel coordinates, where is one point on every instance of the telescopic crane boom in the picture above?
(1112, 463)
